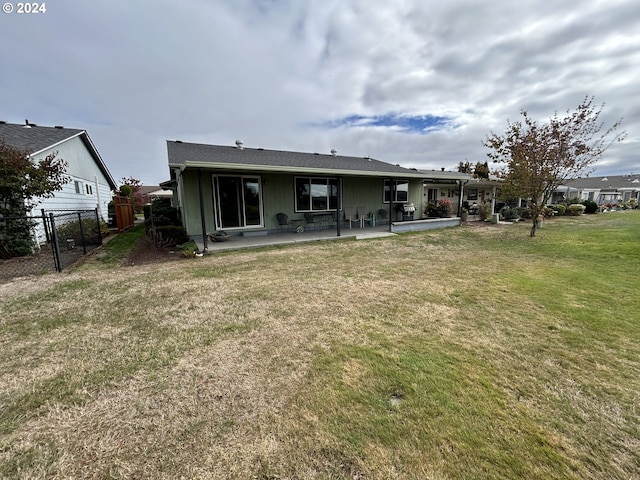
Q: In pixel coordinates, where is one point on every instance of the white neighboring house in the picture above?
(91, 183)
(602, 190)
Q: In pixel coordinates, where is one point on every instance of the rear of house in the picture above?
(246, 190)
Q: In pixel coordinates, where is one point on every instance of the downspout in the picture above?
(203, 222)
(98, 197)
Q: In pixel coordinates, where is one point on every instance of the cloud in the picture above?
(415, 82)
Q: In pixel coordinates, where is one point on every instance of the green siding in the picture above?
(278, 196)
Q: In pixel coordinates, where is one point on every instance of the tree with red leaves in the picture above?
(538, 158)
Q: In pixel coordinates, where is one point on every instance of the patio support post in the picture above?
(338, 209)
(204, 223)
(493, 200)
(460, 192)
(392, 194)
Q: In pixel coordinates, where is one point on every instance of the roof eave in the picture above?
(294, 170)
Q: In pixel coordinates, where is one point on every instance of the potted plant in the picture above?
(219, 236)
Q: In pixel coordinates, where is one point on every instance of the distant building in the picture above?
(91, 183)
(602, 190)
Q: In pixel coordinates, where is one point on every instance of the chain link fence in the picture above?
(50, 242)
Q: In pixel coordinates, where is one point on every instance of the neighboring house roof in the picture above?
(35, 139)
(155, 191)
(195, 155)
(147, 189)
(610, 182)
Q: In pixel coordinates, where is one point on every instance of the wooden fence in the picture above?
(124, 212)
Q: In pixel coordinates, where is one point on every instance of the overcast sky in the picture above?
(419, 83)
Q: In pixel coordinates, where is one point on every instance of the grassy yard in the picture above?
(474, 352)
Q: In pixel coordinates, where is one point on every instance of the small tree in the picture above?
(538, 158)
(136, 196)
(23, 184)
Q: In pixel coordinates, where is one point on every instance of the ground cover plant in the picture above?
(473, 352)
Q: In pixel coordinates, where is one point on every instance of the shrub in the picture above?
(441, 208)
(509, 213)
(526, 213)
(590, 206)
(559, 209)
(575, 209)
(16, 237)
(168, 235)
(444, 208)
(484, 210)
(160, 213)
(90, 228)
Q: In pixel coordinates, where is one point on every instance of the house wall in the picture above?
(81, 168)
(278, 196)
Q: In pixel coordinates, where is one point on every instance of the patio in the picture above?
(237, 242)
(262, 239)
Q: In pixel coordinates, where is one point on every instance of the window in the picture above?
(89, 189)
(472, 194)
(237, 201)
(316, 194)
(79, 187)
(401, 188)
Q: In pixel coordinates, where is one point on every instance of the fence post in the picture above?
(45, 225)
(98, 226)
(56, 245)
(84, 242)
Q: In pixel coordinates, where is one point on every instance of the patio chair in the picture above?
(351, 216)
(309, 219)
(283, 221)
(382, 216)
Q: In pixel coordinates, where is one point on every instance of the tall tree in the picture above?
(481, 170)
(23, 184)
(537, 158)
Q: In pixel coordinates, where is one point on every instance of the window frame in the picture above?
(387, 188)
(331, 205)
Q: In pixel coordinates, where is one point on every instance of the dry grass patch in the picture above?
(457, 354)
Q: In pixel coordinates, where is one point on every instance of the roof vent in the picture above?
(635, 180)
(442, 169)
(334, 152)
(239, 145)
(178, 141)
(604, 179)
(59, 127)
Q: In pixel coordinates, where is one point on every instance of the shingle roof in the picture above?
(606, 183)
(34, 138)
(196, 154)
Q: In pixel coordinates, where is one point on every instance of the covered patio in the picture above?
(239, 242)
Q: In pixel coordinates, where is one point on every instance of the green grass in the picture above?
(453, 354)
(116, 250)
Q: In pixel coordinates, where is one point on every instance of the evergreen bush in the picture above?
(575, 209)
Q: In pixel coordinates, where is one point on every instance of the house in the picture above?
(463, 190)
(91, 183)
(245, 191)
(150, 192)
(612, 189)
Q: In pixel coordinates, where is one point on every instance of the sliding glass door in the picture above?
(237, 201)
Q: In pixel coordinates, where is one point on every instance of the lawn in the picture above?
(473, 352)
